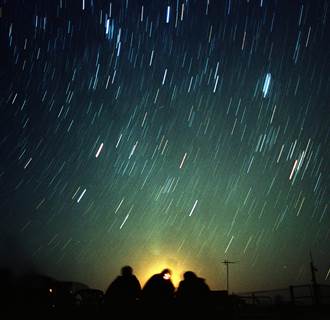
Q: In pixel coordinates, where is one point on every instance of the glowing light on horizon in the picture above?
(157, 264)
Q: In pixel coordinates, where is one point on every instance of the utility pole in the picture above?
(226, 262)
(314, 282)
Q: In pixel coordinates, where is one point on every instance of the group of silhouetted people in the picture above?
(125, 293)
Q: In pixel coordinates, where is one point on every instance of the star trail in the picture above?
(166, 134)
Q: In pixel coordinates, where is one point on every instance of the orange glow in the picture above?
(146, 269)
(154, 264)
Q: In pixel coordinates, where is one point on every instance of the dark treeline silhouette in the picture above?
(35, 294)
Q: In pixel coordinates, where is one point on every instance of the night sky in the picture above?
(166, 134)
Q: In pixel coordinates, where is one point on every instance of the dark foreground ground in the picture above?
(39, 298)
(230, 312)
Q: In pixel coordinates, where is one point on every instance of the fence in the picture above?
(296, 295)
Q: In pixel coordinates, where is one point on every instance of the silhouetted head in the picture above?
(166, 274)
(127, 271)
(189, 275)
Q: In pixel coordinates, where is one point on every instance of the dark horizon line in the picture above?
(32, 273)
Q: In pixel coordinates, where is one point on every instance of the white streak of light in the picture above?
(168, 14)
(193, 208)
(133, 150)
(151, 58)
(75, 193)
(216, 84)
(293, 169)
(82, 194)
(99, 150)
(119, 205)
(164, 77)
(231, 240)
(119, 140)
(247, 244)
(124, 221)
(183, 159)
(279, 156)
(326, 277)
(301, 204)
(142, 10)
(266, 84)
(144, 119)
(26, 165)
(309, 32)
(271, 119)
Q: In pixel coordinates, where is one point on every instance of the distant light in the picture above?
(50, 290)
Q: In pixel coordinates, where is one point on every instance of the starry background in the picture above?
(166, 134)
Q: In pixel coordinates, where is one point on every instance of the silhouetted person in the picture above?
(158, 292)
(123, 292)
(193, 294)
